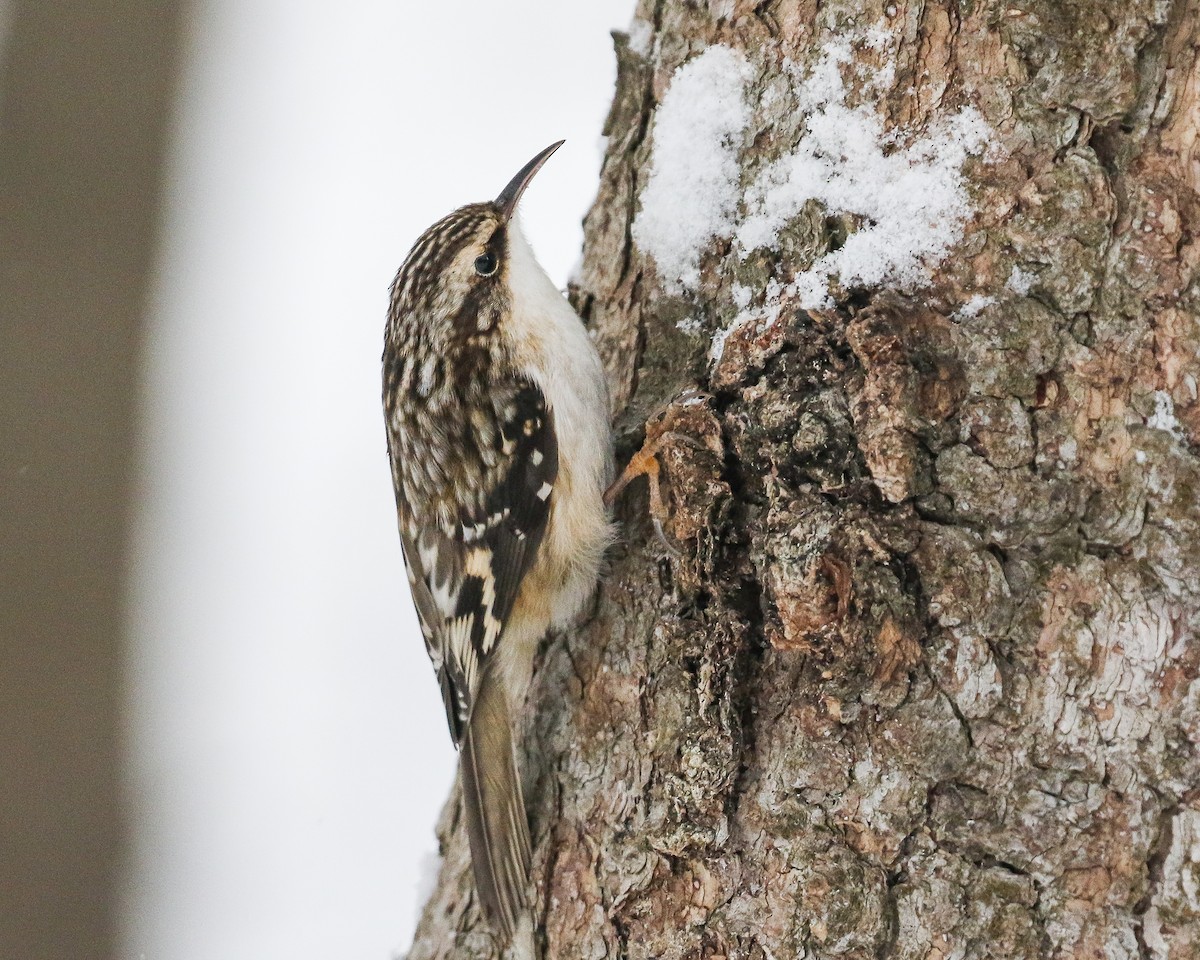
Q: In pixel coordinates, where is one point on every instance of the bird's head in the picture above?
(455, 283)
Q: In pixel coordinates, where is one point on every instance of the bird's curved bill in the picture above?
(506, 203)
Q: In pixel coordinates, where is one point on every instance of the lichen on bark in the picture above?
(922, 680)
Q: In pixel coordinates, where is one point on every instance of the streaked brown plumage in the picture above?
(498, 435)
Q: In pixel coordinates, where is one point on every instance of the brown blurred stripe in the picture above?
(85, 91)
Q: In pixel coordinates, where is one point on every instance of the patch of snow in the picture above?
(911, 200)
(878, 37)
(882, 79)
(764, 317)
(689, 325)
(1163, 417)
(974, 307)
(717, 350)
(641, 37)
(906, 198)
(692, 194)
(1020, 282)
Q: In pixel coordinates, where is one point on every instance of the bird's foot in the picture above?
(659, 438)
(645, 463)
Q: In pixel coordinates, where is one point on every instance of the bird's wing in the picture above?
(466, 571)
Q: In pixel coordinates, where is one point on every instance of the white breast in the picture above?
(554, 350)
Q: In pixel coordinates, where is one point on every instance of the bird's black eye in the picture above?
(485, 264)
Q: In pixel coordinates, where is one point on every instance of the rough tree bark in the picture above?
(922, 681)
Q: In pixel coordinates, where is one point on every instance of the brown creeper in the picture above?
(500, 447)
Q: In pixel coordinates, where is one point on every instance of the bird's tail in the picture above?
(495, 808)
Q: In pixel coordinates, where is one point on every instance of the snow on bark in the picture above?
(692, 194)
(910, 198)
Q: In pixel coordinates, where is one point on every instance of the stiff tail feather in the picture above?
(495, 809)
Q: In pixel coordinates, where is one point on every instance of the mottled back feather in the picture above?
(466, 569)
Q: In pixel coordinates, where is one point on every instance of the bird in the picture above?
(500, 444)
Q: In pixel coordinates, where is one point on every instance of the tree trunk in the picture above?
(922, 679)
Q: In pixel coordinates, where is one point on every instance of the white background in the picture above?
(288, 752)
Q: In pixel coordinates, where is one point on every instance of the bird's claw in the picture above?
(673, 550)
(645, 463)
